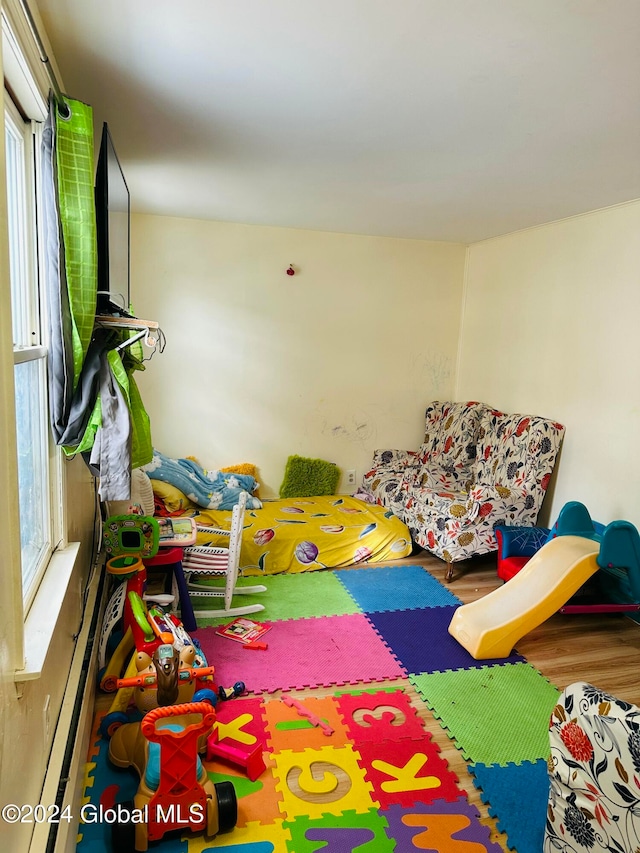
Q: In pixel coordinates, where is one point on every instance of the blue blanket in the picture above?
(212, 490)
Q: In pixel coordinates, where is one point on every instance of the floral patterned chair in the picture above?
(476, 468)
(594, 798)
(442, 461)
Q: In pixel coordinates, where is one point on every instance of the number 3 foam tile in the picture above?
(408, 771)
(439, 827)
(380, 716)
(317, 781)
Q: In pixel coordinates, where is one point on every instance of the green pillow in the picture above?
(306, 478)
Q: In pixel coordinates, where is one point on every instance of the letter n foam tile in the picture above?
(408, 771)
(439, 827)
(380, 716)
(316, 781)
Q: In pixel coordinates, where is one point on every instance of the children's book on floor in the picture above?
(243, 630)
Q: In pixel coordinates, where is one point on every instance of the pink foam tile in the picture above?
(314, 652)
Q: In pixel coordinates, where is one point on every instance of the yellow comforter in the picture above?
(303, 534)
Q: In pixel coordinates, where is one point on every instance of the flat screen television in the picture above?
(113, 231)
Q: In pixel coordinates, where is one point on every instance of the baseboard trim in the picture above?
(65, 778)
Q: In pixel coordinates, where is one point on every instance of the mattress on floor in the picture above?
(304, 534)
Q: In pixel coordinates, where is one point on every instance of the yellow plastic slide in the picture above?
(491, 626)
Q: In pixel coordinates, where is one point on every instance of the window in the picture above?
(35, 471)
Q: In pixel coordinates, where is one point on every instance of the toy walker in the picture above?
(175, 791)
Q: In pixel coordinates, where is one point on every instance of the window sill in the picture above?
(44, 612)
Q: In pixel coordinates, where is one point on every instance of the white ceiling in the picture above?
(432, 119)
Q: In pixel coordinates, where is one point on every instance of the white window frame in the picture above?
(30, 333)
(30, 89)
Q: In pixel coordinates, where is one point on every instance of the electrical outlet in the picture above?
(351, 477)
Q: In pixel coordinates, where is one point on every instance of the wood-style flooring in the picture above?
(601, 649)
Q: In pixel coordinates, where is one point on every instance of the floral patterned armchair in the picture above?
(476, 468)
(594, 801)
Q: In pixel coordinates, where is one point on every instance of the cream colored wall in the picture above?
(551, 327)
(332, 362)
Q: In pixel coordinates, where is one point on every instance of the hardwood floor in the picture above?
(601, 649)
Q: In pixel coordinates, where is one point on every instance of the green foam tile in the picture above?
(496, 714)
(345, 831)
(289, 597)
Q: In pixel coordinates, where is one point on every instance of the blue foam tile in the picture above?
(517, 796)
(419, 639)
(395, 588)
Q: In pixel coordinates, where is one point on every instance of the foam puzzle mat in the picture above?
(496, 714)
(320, 651)
(505, 789)
(376, 784)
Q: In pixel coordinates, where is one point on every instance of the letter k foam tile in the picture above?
(408, 771)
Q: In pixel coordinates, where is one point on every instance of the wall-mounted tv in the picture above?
(113, 231)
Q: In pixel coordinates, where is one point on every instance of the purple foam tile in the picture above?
(421, 642)
(430, 822)
(340, 840)
(315, 652)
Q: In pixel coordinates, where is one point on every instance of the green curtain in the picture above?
(77, 348)
(74, 162)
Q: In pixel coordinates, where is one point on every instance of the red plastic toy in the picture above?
(178, 793)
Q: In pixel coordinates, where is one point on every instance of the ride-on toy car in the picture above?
(175, 791)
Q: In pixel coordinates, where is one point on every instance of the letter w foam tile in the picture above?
(439, 827)
(341, 833)
(408, 771)
(317, 781)
(380, 716)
